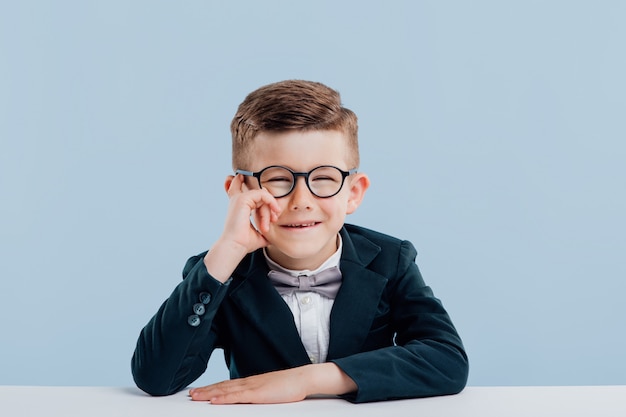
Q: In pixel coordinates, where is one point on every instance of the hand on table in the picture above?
(284, 386)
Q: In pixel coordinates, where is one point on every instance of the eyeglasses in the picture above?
(324, 181)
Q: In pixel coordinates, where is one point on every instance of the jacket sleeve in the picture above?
(425, 357)
(174, 347)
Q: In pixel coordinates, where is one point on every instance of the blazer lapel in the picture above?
(357, 301)
(264, 308)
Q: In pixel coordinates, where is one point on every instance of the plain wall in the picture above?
(493, 133)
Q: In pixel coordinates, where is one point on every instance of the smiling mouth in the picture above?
(301, 225)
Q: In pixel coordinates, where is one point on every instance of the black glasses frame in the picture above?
(295, 175)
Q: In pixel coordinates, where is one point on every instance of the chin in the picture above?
(297, 254)
(294, 255)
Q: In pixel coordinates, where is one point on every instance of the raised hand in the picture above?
(240, 236)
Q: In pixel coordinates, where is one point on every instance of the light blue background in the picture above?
(493, 132)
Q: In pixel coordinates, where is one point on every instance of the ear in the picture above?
(358, 185)
(227, 182)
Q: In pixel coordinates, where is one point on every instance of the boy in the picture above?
(301, 303)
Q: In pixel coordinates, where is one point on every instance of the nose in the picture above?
(300, 197)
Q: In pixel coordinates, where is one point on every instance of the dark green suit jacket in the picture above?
(387, 330)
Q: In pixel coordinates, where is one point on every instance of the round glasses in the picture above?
(324, 181)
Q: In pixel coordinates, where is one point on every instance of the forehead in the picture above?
(300, 150)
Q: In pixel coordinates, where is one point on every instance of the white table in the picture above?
(593, 401)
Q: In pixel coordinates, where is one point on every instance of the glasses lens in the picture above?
(325, 181)
(277, 180)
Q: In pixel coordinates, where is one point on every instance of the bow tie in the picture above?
(326, 282)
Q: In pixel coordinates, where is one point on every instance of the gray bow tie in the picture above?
(326, 282)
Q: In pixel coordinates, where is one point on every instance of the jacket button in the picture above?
(198, 308)
(205, 298)
(193, 320)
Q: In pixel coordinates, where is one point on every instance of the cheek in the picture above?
(335, 208)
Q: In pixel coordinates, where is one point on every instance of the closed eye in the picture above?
(278, 179)
(324, 179)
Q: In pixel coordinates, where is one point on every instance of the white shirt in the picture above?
(311, 311)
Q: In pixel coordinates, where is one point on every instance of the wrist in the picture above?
(328, 379)
(222, 259)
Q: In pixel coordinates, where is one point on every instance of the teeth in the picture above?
(302, 225)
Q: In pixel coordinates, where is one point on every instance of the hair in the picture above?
(291, 105)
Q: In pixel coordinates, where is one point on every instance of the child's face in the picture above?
(305, 234)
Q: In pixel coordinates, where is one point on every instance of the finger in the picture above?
(264, 215)
(225, 392)
(200, 395)
(266, 207)
(235, 397)
(272, 204)
(236, 185)
(205, 393)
